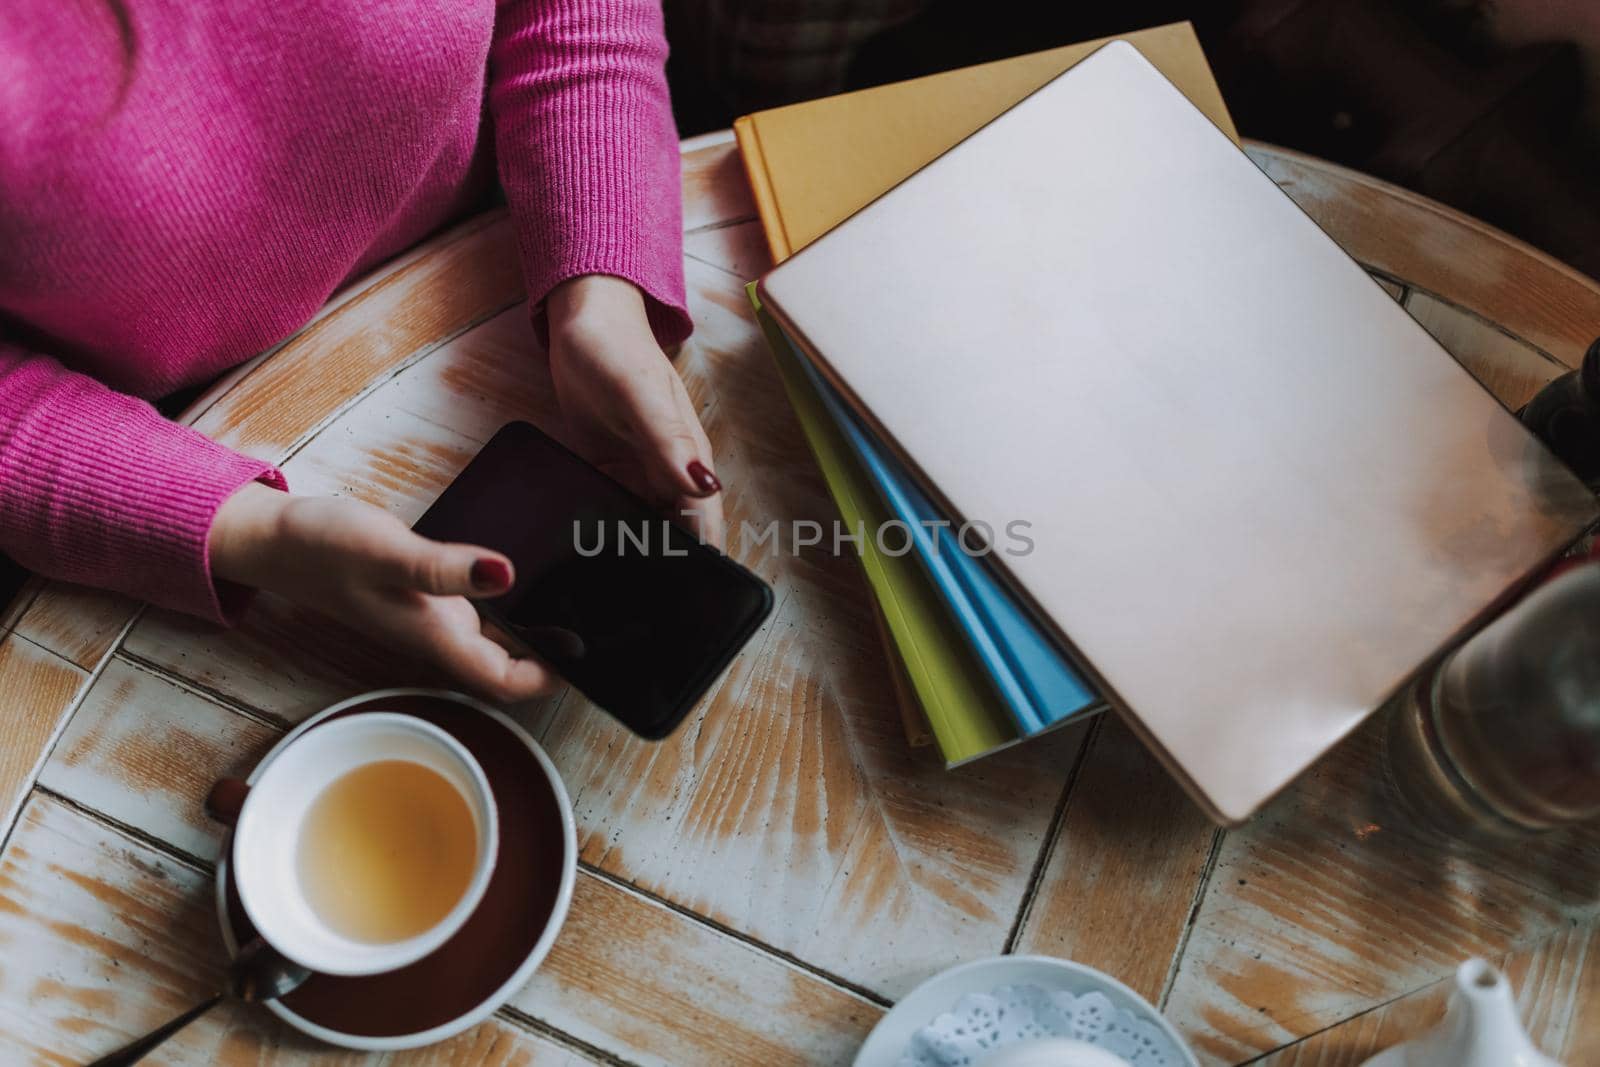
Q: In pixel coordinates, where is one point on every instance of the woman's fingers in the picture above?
(673, 451)
(367, 569)
(447, 631)
(395, 556)
(489, 669)
(702, 511)
(624, 401)
(672, 448)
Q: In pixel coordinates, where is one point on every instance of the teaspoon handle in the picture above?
(137, 1050)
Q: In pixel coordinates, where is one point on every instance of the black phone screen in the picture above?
(629, 607)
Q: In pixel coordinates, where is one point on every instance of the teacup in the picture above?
(365, 844)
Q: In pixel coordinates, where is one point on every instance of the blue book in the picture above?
(1038, 685)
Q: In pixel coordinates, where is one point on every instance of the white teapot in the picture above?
(1480, 1028)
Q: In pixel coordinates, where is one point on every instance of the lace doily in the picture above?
(982, 1022)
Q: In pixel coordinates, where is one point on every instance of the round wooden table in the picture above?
(761, 886)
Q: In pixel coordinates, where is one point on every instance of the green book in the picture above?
(965, 712)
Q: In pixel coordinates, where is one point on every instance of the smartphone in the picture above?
(630, 607)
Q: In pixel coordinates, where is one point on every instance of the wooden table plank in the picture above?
(639, 980)
(145, 751)
(79, 624)
(37, 693)
(374, 454)
(1125, 868)
(598, 759)
(480, 381)
(471, 274)
(11, 610)
(740, 249)
(715, 192)
(285, 661)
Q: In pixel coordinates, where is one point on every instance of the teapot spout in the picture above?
(1480, 1028)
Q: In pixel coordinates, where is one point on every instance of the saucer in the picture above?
(892, 1036)
(507, 937)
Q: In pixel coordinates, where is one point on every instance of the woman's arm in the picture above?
(97, 488)
(587, 149)
(588, 155)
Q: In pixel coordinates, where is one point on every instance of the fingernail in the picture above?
(703, 479)
(491, 575)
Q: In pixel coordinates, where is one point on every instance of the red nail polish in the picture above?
(491, 575)
(703, 479)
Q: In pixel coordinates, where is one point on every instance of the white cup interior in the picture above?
(266, 839)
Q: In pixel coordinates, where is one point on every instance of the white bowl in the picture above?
(891, 1037)
(1051, 1052)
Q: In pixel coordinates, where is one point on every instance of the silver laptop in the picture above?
(1259, 495)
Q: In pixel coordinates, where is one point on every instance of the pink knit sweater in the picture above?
(167, 215)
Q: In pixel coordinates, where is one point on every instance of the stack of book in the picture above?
(1116, 421)
(973, 672)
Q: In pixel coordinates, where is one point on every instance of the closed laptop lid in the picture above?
(1259, 495)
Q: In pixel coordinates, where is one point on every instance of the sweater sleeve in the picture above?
(587, 149)
(97, 488)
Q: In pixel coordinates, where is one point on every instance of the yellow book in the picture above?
(813, 165)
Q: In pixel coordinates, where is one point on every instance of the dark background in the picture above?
(1492, 106)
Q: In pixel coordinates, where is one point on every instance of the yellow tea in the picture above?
(386, 851)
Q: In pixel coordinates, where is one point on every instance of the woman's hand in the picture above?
(627, 412)
(625, 406)
(365, 568)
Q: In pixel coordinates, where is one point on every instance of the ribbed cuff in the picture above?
(97, 488)
(230, 600)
